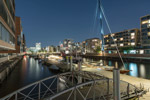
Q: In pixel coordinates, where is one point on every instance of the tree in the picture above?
(98, 49)
(126, 48)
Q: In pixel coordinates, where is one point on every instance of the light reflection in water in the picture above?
(133, 68)
(142, 71)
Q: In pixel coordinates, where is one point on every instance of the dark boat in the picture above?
(54, 68)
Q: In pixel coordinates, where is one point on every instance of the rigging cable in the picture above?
(112, 35)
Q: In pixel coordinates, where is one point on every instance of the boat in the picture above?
(122, 71)
(54, 68)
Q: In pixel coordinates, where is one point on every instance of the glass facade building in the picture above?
(7, 25)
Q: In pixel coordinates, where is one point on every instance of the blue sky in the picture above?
(52, 21)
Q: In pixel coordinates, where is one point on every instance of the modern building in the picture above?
(38, 46)
(126, 38)
(145, 31)
(7, 25)
(19, 36)
(67, 43)
(92, 44)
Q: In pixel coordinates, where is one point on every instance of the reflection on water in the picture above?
(137, 69)
(27, 71)
(134, 69)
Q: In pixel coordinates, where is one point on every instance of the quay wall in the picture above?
(7, 67)
(126, 57)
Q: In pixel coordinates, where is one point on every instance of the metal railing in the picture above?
(73, 86)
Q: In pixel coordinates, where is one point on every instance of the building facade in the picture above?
(38, 46)
(145, 31)
(7, 25)
(92, 44)
(126, 38)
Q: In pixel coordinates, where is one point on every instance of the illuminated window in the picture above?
(132, 37)
(128, 43)
(112, 34)
(121, 39)
(105, 36)
(94, 40)
(144, 22)
(113, 45)
(121, 44)
(107, 40)
(133, 44)
(141, 51)
(132, 34)
(148, 33)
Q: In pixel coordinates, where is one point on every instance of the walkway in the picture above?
(132, 80)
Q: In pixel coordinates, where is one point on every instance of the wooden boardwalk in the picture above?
(130, 79)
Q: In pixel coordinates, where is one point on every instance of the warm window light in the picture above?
(115, 39)
(144, 22)
(128, 43)
(148, 33)
(94, 40)
(105, 36)
(141, 51)
(133, 43)
(121, 44)
(107, 40)
(112, 34)
(113, 45)
(132, 34)
(121, 39)
(132, 37)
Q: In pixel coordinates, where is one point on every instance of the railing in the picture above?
(73, 86)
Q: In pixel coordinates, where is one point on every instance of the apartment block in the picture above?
(92, 44)
(126, 38)
(145, 31)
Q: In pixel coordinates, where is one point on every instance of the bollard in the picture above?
(71, 63)
(116, 84)
(79, 67)
(67, 60)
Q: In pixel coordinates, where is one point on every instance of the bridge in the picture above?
(76, 85)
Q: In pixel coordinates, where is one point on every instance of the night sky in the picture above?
(52, 21)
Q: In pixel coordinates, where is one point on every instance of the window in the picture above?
(144, 22)
(121, 44)
(121, 39)
(132, 34)
(133, 44)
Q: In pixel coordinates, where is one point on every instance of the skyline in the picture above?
(74, 19)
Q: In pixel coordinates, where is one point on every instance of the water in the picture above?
(27, 71)
(141, 70)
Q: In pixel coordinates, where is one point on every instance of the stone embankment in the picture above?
(7, 66)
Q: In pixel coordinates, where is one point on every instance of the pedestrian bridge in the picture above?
(79, 85)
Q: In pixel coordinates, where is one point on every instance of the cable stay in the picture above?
(101, 15)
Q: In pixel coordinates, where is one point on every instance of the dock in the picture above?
(130, 79)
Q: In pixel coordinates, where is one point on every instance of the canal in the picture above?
(27, 71)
